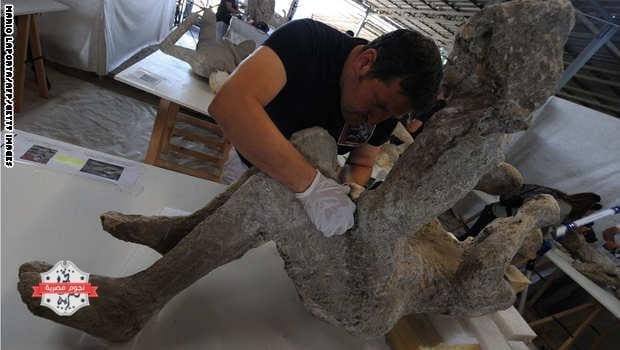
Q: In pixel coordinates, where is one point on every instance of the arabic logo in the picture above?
(64, 288)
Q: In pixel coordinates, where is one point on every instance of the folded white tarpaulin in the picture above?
(99, 35)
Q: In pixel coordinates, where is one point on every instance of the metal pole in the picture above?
(363, 22)
(586, 54)
(292, 9)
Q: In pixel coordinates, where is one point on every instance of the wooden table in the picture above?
(173, 82)
(28, 35)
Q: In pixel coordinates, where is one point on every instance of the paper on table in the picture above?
(42, 151)
(147, 77)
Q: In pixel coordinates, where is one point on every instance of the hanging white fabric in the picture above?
(99, 35)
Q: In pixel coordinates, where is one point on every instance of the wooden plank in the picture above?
(219, 144)
(569, 342)
(163, 130)
(512, 325)
(37, 55)
(516, 278)
(172, 112)
(217, 161)
(423, 331)
(200, 123)
(155, 144)
(561, 314)
(193, 172)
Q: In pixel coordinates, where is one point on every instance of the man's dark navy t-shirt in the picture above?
(313, 55)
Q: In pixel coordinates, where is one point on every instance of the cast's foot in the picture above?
(160, 233)
(117, 315)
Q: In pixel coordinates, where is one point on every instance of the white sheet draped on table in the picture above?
(99, 35)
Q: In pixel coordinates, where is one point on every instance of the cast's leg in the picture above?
(160, 232)
(125, 304)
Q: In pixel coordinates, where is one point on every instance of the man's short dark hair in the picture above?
(414, 58)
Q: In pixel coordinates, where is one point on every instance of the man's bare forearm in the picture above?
(360, 163)
(248, 127)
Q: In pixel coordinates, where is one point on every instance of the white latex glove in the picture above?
(328, 206)
(217, 80)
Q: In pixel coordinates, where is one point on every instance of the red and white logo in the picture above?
(64, 288)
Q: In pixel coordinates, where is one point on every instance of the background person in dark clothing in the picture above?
(308, 74)
(225, 10)
(572, 207)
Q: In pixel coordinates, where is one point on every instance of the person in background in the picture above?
(225, 10)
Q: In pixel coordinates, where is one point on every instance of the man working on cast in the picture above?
(308, 74)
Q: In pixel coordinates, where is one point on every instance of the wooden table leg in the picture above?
(159, 129)
(571, 339)
(21, 49)
(173, 110)
(37, 57)
(560, 314)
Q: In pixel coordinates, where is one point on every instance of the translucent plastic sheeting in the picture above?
(99, 35)
(86, 115)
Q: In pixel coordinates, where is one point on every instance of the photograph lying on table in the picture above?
(42, 151)
(103, 169)
(39, 154)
